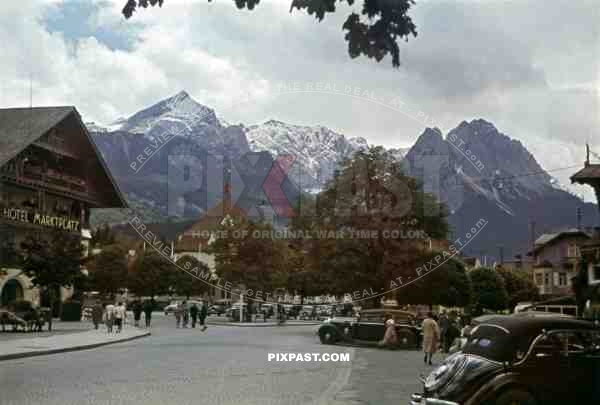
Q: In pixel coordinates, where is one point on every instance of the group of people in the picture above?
(440, 332)
(184, 312)
(114, 316)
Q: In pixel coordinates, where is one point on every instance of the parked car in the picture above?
(171, 307)
(306, 312)
(520, 359)
(233, 312)
(216, 309)
(369, 328)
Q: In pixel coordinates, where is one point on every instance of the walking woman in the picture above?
(109, 317)
(431, 337)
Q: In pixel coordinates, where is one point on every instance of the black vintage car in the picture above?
(520, 360)
(369, 328)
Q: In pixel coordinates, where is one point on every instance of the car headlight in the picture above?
(444, 372)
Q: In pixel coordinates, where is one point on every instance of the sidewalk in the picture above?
(58, 343)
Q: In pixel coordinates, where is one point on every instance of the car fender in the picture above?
(494, 387)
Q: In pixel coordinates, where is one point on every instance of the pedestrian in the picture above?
(137, 312)
(97, 311)
(185, 313)
(390, 339)
(148, 307)
(203, 315)
(443, 324)
(452, 333)
(178, 314)
(109, 317)
(431, 336)
(194, 314)
(313, 312)
(120, 314)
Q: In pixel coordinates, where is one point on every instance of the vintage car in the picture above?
(369, 328)
(525, 360)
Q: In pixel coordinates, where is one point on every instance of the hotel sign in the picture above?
(59, 222)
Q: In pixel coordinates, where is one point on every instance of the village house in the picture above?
(556, 257)
(51, 176)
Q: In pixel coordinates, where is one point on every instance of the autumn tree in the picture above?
(247, 256)
(380, 219)
(374, 32)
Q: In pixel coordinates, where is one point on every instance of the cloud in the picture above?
(529, 67)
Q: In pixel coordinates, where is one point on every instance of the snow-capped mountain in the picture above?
(179, 114)
(477, 171)
(318, 150)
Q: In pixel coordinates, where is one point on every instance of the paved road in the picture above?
(224, 365)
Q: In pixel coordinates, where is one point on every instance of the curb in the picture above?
(68, 349)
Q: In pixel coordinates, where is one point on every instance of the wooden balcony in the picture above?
(65, 186)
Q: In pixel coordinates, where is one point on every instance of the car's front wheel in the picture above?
(327, 337)
(515, 397)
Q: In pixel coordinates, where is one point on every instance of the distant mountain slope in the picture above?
(476, 170)
(484, 174)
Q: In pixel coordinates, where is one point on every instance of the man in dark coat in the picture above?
(97, 311)
(148, 307)
(194, 314)
(137, 312)
(203, 315)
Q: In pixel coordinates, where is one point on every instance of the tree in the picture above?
(447, 285)
(243, 255)
(372, 197)
(519, 287)
(375, 34)
(185, 284)
(52, 262)
(109, 270)
(488, 291)
(150, 275)
(580, 285)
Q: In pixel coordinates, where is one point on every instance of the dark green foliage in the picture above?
(150, 275)
(374, 33)
(447, 285)
(54, 261)
(108, 271)
(71, 311)
(489, 292)
(580, 285)
(519, 287)
(184, 283)
(256, 262)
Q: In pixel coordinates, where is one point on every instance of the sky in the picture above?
(531, 67)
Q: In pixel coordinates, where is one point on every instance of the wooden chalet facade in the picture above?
(51, 176)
